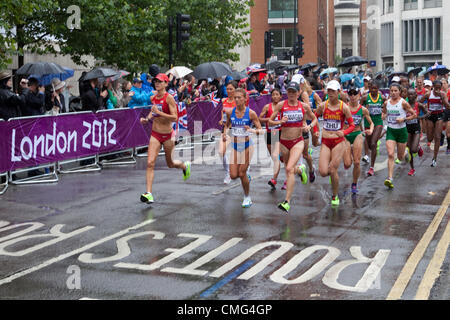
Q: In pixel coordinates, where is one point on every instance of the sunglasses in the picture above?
(353, 93)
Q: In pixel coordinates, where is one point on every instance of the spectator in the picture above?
(55, 102)
(139, 98)
(147, 86)
(112, 97)
(91, 99)
(126, 90)
(253, 85)
(34, 99)
(10, 103)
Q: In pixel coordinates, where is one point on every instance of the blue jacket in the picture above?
(140, 98)
(146, 86)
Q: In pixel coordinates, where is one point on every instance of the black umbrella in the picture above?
(398, 74)
(40, 69)
(309, 65)
(272, 65)
(212, 70)
(352, 61)
(236, 75)
(416, 71)
(99, 73)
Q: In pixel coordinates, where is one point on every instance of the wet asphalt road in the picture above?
(229, 252)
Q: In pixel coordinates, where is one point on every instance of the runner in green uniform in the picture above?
(355, 139)
(374, 102)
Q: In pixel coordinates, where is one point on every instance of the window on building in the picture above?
(283, 41)
(390, 6)
(387, 40)
(410, 4)
(422, 35)
(281, 9)
(432, 4)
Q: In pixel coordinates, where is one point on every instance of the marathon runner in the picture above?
(334, 112)
(413, 128)
(355, 139)
(395, 110)
(421, 91)
(164, 112)
(227, 104)
(373, 101)
(240, 119)
(272, 135)
(437, 103)
(292, 113)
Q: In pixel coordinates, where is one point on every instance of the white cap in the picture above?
(334, 85)
(298, 78)
(367, 78)
(396, 79)
(428, 83)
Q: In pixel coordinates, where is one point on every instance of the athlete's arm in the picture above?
(445, 100)
(305, 97)
(424, 97)
(384, 112)
(407, 107)
(349, 118)
(366, 115)
(317, 99)
(319, 110)
(424, 109)
(262, 116)
(226, 126)
(255, 120)
(276, 110)
(311, 116)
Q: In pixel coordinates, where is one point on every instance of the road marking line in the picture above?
(71, 253)
(417, 254)
(434, 268)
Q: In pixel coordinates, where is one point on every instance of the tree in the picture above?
(127, 34)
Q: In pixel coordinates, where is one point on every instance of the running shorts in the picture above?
(352, 136)
(413, 128)
(435, 117)
(377, 121)
(397, 135)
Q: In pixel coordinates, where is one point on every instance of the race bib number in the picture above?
(160, 109)
(239, 132)
(374, 110)
(356, 120)
(436, 107)
(294, 116)
(332, 125)
(392, 119)
(413, 121)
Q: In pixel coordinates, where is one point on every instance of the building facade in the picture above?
(285, 19)
(347, 26)
(410, 32)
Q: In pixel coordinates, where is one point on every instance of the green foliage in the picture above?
(127, 34)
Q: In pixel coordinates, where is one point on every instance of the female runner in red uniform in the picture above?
(164, 112)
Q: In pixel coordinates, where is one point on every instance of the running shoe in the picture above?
(366, 159)
(147, 197)
(284, 187)
(312, 177)
(434, 163)
(412, 172)
(187, 172)
(285, 206)
(371, 172)
(420, 151)
(310, 151)
(303, 175)
(397, 161)
(247, 203)
(388, 183)
(273, 184)
(227, 179)
(354, 188)
(335, 201)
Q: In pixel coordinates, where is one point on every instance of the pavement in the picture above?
(89, 237)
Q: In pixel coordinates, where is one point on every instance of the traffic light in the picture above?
(298, 47)
(268, 44)
(182, 29)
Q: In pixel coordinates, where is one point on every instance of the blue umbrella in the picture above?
(47, 79)
(346, 77)
(328, 71)
(442, 70)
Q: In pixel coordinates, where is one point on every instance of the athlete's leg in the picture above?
(390, 146)
(307, 156)
(347, 155)
(373, 144)
(169, 150)
(242, 169)
(276, 159)
(437, 137)
(336, 157)
(294, 155)
(153, 150)
(324, 161)
(357, 153)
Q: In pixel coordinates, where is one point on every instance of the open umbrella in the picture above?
(236, 75)
(328, 71)
(40, 69)
(352, 61)
(309, 65)
(416, 71)
(441, 70)
(255, 68)
(346, 77)
(272, 65)
(179, 72)
(47, 78)
(212, 70)
(99, 73)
